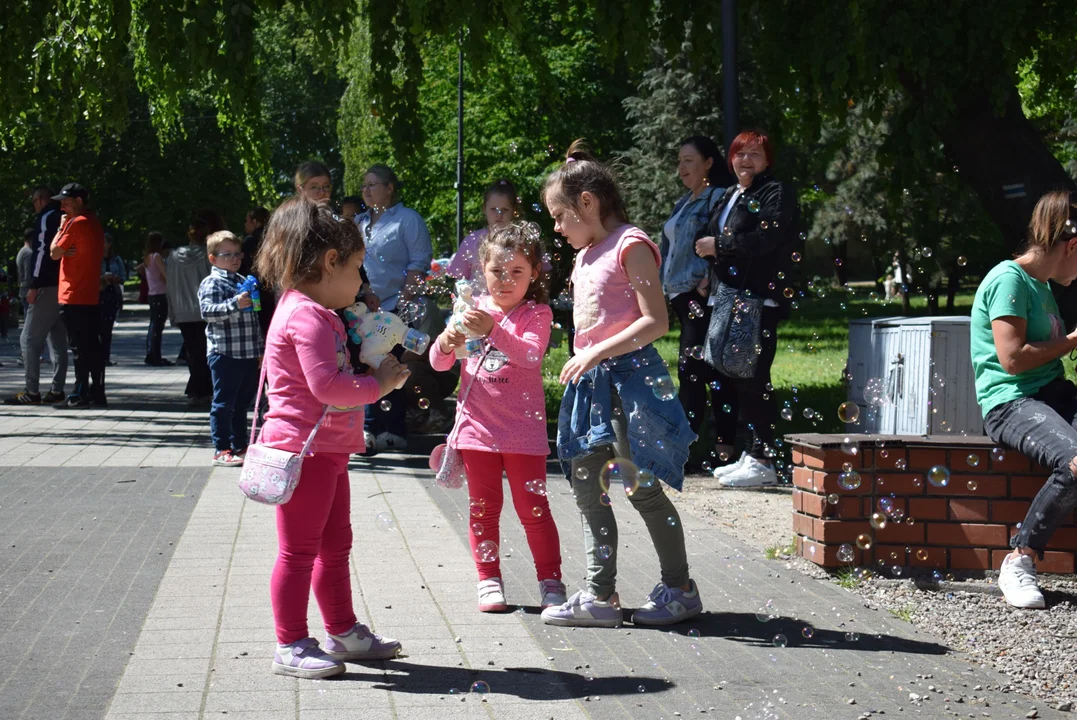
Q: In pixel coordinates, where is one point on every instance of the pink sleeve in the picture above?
(316, 346)
(438, 360)
(526, 342)
(631, 238)
(464, 259)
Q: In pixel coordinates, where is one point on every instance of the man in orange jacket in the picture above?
(79, 245)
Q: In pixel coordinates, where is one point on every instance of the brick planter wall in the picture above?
(965, 525)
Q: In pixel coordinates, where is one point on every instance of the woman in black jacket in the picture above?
(753, 236)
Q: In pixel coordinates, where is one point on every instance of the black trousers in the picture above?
(200, 383)
(83, 323)
(158, 318)
(751, 398)
(695, 375)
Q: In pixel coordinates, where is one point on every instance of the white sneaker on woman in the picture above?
(720, 472)
(1017, 581)
(751, 473)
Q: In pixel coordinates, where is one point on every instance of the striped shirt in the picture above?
(230, 331)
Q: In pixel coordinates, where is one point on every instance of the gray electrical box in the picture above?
(913, 376)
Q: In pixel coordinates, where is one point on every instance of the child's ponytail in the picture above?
(580, 173)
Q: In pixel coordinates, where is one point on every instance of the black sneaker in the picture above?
(24, 398)
(52, 397)
(99, 400)
(75, 401)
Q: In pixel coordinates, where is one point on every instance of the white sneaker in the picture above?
(552, 593)
(1017, 580)
(369, 441)
(492, 596)
(751, 473)
(391, 442)
(720, 472)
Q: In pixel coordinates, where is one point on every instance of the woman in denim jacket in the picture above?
(686, 275)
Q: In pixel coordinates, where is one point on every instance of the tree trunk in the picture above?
(953, 282)
(840, 251)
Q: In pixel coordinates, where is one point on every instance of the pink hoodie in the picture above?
(307, 368)
(505, 409)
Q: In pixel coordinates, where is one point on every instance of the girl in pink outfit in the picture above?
(502, 420)
(501, 206)
(313, 259)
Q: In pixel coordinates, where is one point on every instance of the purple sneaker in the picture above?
(584, 610)
(359, 644)
(668, 606)
(304, 659)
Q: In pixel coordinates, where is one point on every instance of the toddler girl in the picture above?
(620, 421)
(314, 260)
(501, 424)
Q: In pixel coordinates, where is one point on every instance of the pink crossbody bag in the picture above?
(270, 475)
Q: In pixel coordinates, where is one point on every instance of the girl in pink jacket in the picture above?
(501, 423)
(313, 259)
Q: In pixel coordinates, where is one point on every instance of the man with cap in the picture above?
(79, 246)
(43, 322)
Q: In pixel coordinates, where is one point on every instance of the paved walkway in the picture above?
(199, 632)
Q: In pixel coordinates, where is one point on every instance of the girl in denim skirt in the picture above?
(620, 425)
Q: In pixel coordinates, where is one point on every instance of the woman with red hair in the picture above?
(753, 234)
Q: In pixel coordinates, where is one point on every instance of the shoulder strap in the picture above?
(258, 403)
(467, 391)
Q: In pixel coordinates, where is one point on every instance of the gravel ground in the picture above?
(1033, 648)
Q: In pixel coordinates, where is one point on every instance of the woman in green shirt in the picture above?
(1018, 340)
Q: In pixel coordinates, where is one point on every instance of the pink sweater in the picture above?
(307, 368)
(505, 409)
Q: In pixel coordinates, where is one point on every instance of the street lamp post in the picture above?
(460, 142)
(730, 94)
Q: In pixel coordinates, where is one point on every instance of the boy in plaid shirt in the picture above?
(234, 346)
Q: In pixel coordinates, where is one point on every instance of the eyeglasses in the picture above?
(319, 188)
(229, 256)
(371, 185)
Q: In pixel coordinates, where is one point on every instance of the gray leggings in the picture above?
(1044, 428)
(600, 525)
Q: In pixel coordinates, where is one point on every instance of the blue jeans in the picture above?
(235, 382)
(1043, 428)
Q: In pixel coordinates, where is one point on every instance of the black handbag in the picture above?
(733, 341)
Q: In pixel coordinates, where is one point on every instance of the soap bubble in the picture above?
(752, 205)
(900, 463)
(604, 552)
(962, 261)
(779, 641)
(480, 687)
(646, 477)
(849, 480)
(663, 388)
(878, 521)
(886, 505)
(533, 356)
(973, 459)
(808, 632)
(927, 252)
(788, 293)
(604, 499)
(921, 555)
(536, 511)
(478, 508)
(847, 467)
(423, 404)
(727, 408)
(537, 486)
(620, 471)
(477, 529)
(695, 352)
(863, 541)
(849, 447)
(852, 637)
(938, 476)
(846, 554)
(832, 499)
(486, 551)
(671, 521)
(603, 531)
(581, 473)
(787, 414)
(972, 485)
(796, 257)
(536, 207)
(385, 405)
(998, 454)
(875, 392)
(384, 521)
(808, 413)
(693, 633)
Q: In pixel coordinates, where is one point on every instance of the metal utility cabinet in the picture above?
(925, 366)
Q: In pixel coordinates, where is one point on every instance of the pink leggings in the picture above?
(487, 496)
(314, 534)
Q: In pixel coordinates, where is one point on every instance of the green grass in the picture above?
(813, 346)
(848, 578)
(904, 612)
(777, 552)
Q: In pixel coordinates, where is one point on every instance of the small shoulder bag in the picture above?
(270, 475)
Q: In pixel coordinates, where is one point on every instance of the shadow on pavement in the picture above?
(523, 682)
